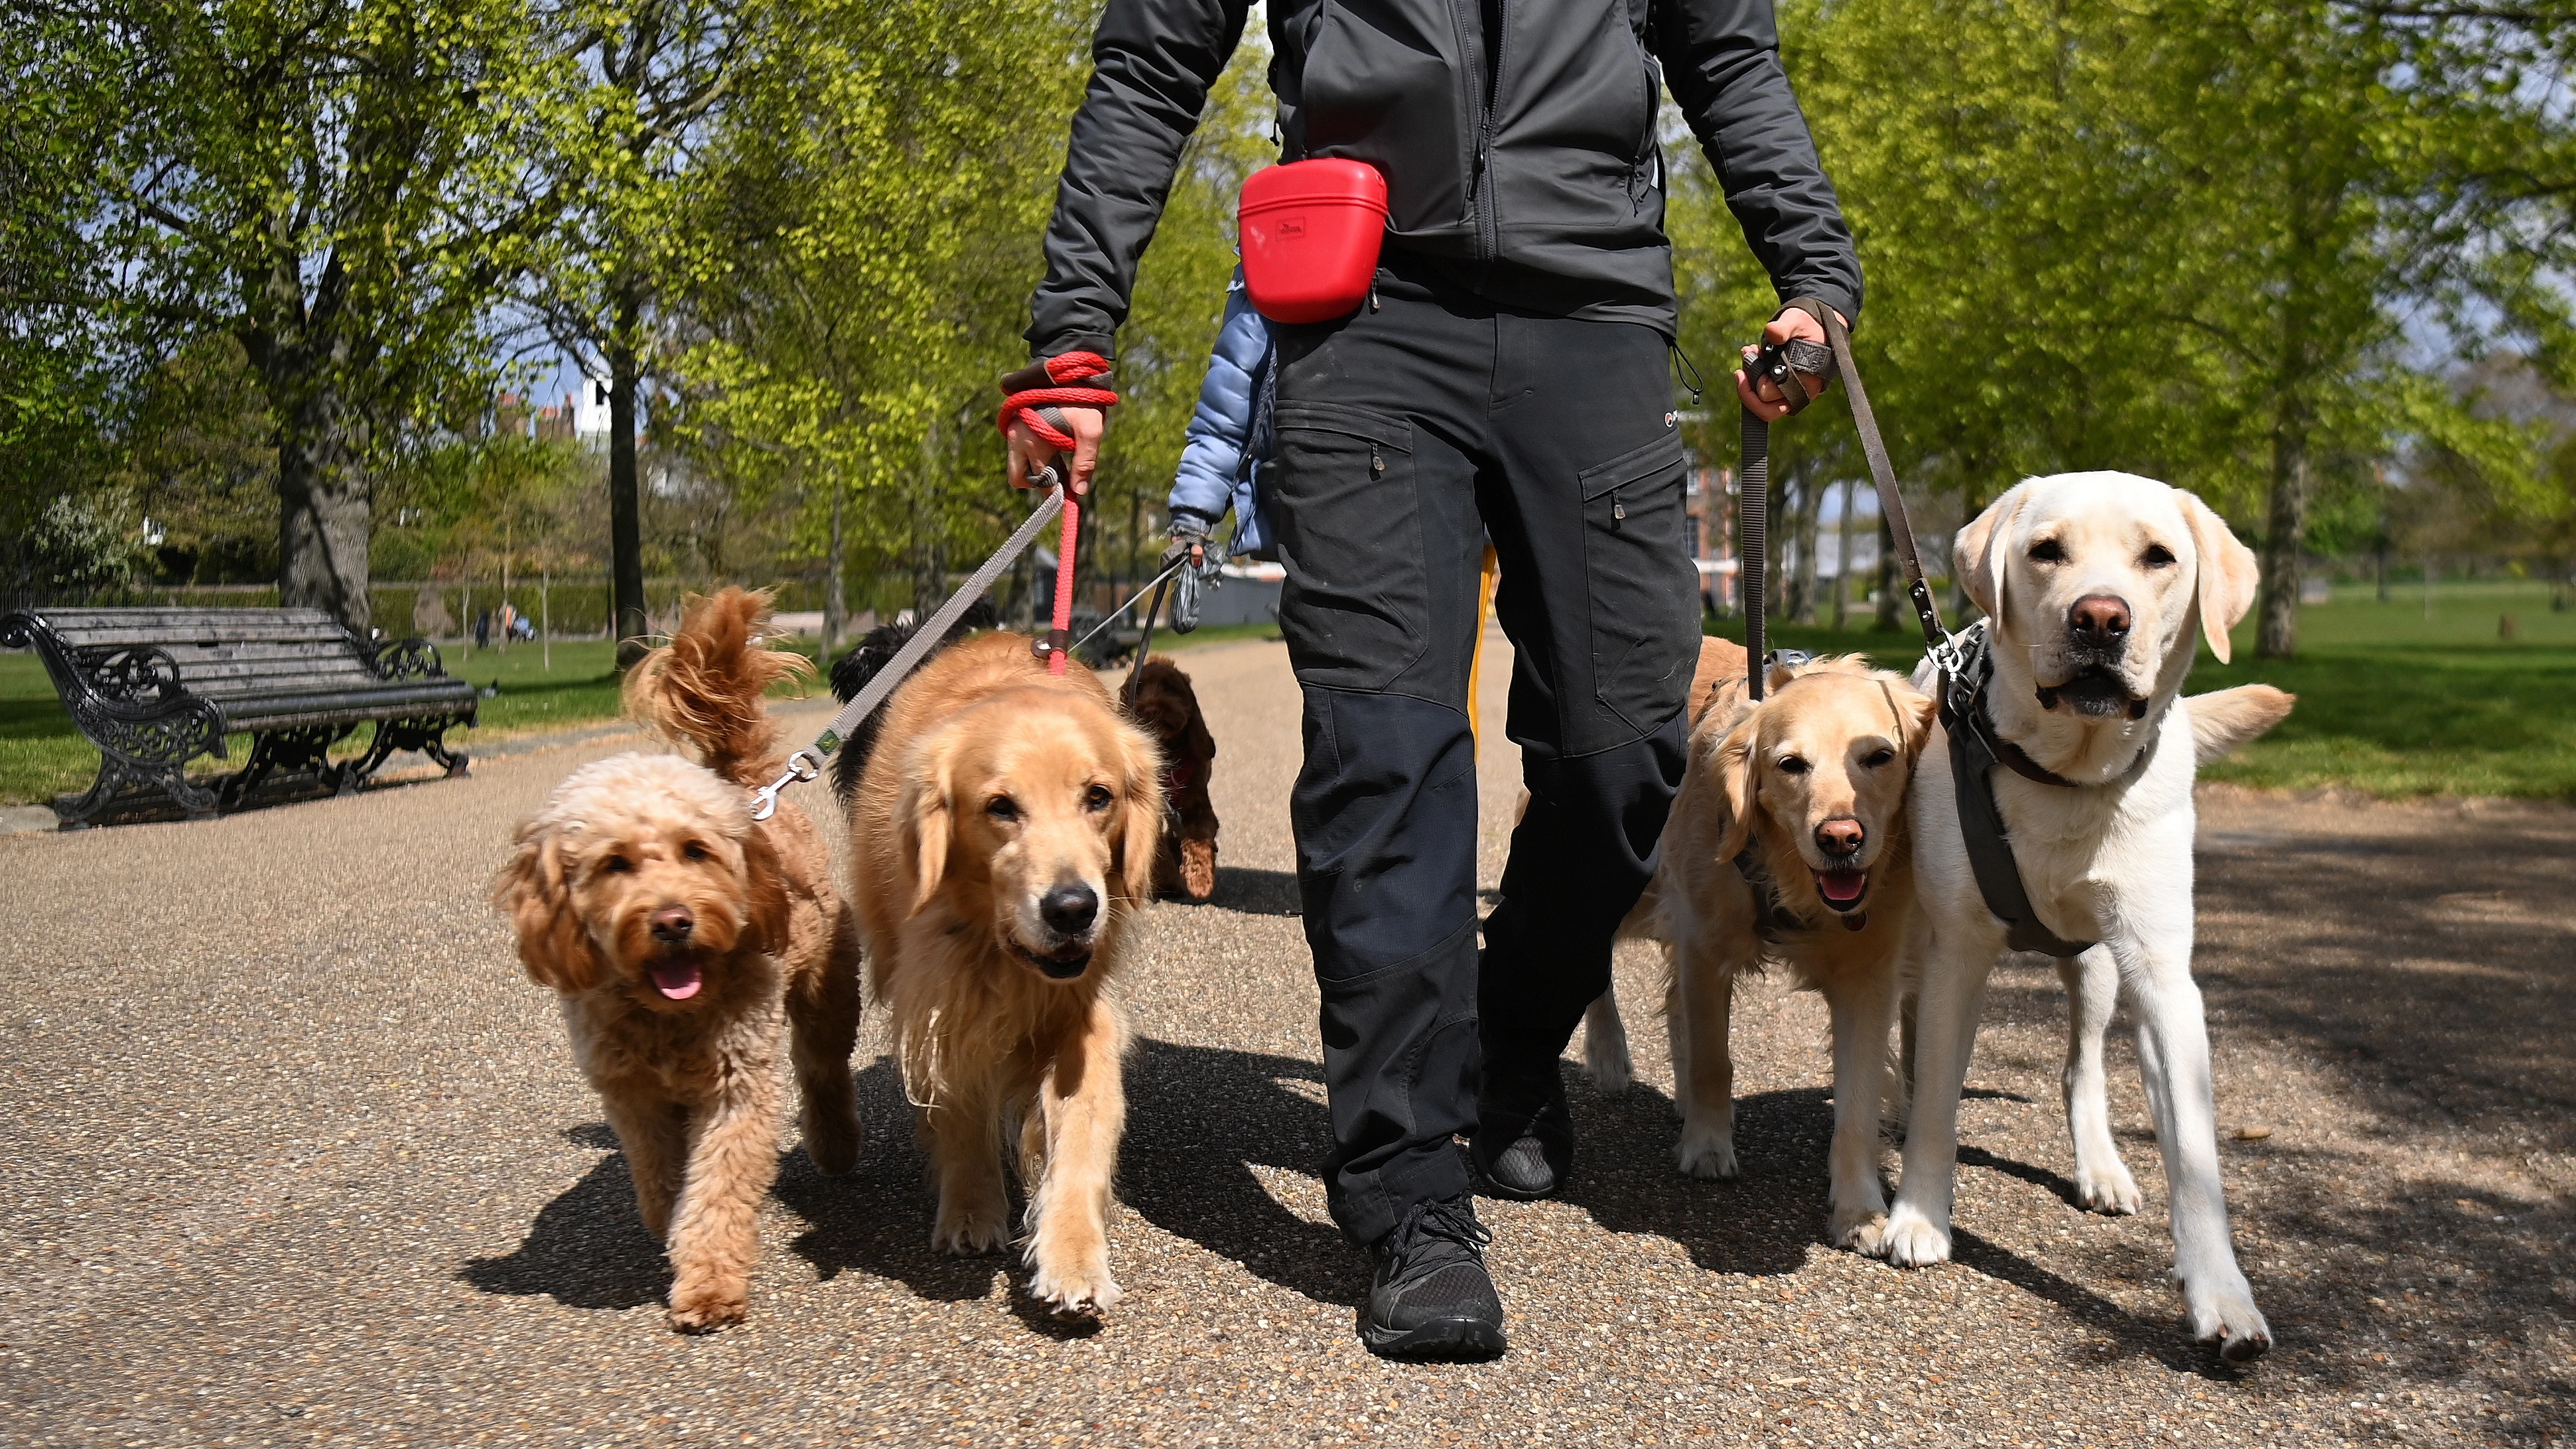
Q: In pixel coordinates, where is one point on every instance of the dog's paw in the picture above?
(1198, 869)
(2220, 1309)
(969, 1232)
(1610, 1070)
(833, 1141)
(1857, 1230)
(1706, 1152)
(2106, 1188)
(1086, 1292)
(703, 1305)
(1910, 1240)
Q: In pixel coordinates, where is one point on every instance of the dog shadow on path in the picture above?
(877, 1218)
(587, 1248)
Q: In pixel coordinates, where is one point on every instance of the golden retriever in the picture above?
(1168, 709)
(1003, 833)
(1788, 844)
(685, 942)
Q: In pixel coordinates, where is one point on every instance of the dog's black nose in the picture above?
(2099, 618)
(1069, 909)
(1839, 837)
(672, 925)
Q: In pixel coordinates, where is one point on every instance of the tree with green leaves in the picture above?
(658, 73)
(343, 189)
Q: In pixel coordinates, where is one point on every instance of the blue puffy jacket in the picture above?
(1230, 440)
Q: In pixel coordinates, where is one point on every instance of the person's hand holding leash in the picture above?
(1189, 536)
(1762, 397)
(1053, 406)
(1031, 453)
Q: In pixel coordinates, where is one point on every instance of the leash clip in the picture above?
(803, 765)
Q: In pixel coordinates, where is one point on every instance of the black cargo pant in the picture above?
(1409, 434)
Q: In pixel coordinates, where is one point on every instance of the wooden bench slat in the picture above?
(392, 702)
(189, 658)
(175, 638)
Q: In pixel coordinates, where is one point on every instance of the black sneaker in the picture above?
(1524, 1142)
(1431, 1297)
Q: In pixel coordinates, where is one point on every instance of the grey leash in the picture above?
(1156, 582)
(807, 763)
(1964, 663)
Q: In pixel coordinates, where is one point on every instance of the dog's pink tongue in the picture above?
(1840, 886)
(678, 980)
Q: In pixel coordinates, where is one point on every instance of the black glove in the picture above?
(1189, 536)
(1190, 541)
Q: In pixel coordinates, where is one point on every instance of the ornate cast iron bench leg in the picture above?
(427, 735)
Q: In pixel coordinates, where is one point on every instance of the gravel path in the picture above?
(301, 1159)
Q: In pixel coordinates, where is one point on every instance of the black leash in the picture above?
(1965, 663)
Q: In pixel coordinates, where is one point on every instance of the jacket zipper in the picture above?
(1488, 222)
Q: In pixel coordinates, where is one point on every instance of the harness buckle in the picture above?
(802, 766)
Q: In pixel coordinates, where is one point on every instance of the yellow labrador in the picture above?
(2098, 587)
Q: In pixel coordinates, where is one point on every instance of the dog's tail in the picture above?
(2223, 719)
(704, 689)
(852, 671)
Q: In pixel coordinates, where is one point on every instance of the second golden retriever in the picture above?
(1003, 833)
(1788, 844)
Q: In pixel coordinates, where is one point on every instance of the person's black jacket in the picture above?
(1540, 185)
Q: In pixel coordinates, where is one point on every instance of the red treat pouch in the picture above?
(1310, 232)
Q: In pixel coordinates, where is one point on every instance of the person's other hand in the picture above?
(1767, 404)
(1029, 452)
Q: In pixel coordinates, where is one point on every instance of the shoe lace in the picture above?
(1452, 1220)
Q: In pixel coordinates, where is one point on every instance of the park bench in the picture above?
(156, 688)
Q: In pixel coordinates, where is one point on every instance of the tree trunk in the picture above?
(1810, 517)
(325, 503)
(2284, 542)
(836, 610)
(625, 517)
(1843, 556)
(1888, 583)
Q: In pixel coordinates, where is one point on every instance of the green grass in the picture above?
(2391, 703)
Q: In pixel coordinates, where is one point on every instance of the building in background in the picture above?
(1708, 495)
(589, 402)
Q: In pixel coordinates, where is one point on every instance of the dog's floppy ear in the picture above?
(2228, 572)
(1202, 744)
(1983, 553)
(1140, 813)
(1737, 785)
(765, 904)
(925, 819)
(1914, 712)
(553, 945)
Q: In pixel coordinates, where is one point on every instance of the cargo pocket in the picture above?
(1356, 608)
(1645, 591)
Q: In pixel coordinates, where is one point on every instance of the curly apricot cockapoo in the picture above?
(689, 944)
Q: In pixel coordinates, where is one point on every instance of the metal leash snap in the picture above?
(801, 766)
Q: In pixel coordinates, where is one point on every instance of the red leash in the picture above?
(1035, 394)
